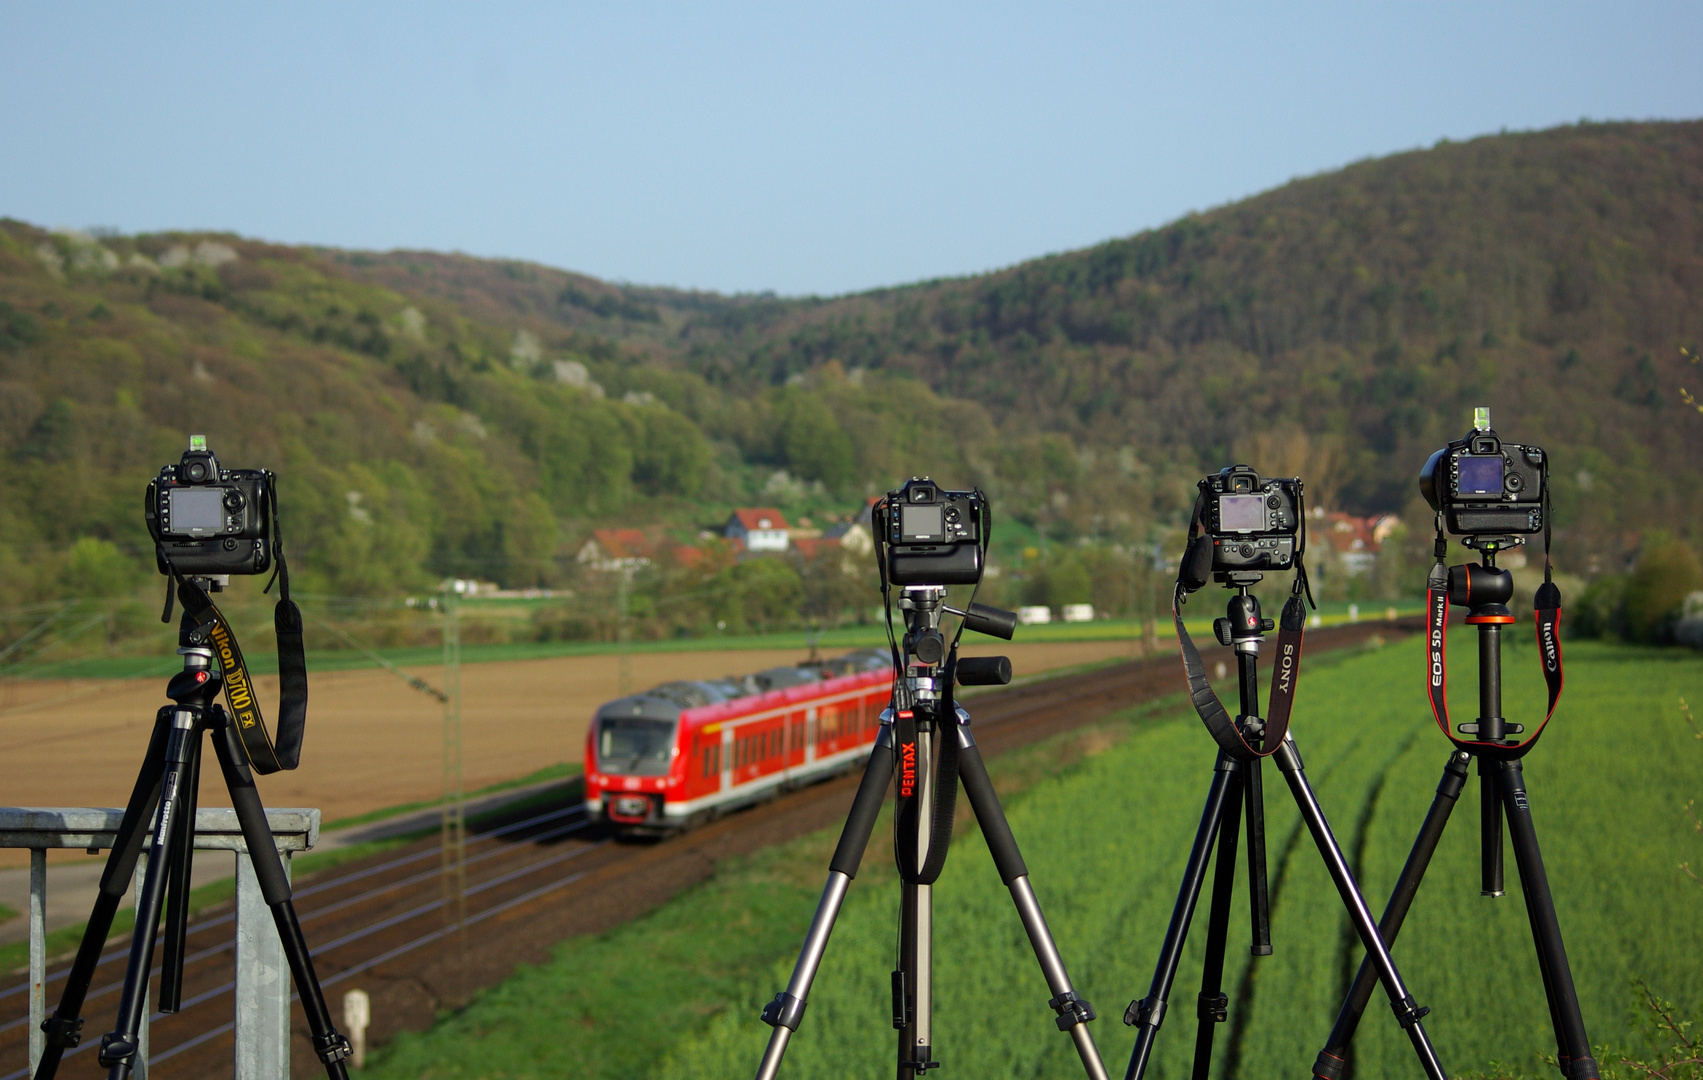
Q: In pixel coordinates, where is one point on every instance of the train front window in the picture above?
(634, 747)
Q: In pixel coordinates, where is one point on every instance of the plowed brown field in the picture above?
(372, 741)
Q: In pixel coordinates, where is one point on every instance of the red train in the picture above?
(683, 752)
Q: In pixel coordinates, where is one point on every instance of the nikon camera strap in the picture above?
(1547, 614)
(264, 755)
(1286, 673)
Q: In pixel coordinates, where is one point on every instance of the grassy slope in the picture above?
(1608, 786)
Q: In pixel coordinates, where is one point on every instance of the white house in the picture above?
(758, 529)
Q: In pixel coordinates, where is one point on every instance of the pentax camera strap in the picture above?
(1547, 616)
(915, 867)
(1193, 573)
(264, 754)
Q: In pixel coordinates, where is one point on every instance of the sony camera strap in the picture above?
(264, 754)
(1195, 569)
(1547, 616)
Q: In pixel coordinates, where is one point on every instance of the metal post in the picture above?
(38, 953)
(453, 814)
(216, 829)
(263, 983)
(139, 1067)
(624, 632)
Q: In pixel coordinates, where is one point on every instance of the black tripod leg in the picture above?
(1259, 896)
(1407, 1012)
(1334, 1057)
(1489, 828)
(1073, 1012)
(1575, 1046)
(1212, 1007)
(177, 888)
(64, 1027)
(1147, 1014)
(119, 1046)
(330, 1046)
(787, 1009)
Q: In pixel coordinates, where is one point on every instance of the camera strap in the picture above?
(264, 754)
(914, 867)
(1547, 617)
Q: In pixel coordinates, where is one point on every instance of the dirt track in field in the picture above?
(373, 742)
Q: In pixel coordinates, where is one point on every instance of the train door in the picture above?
(727, 757)
(810, 735)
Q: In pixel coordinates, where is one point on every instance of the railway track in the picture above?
(532, 879)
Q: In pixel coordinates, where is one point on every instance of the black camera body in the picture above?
(932, 536)
(1484, 486)
(209, 520)
(1252, 520)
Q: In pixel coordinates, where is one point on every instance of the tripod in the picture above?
(169, 779)
(926, 739)
(1236, 790)
(1484, 590)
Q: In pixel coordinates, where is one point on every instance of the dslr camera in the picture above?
(1483, 486)
(1251, 520)
(932, 536)
(208, 520)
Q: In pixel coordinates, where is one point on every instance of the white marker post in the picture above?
(357, 1013)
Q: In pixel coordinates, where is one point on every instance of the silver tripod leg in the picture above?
(1052, 966)
(914, 1013)
(1073, 1012)
(803, 974)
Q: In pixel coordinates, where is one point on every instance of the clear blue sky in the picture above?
(794, 147)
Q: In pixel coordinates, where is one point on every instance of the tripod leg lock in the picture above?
(1328, 1066)
(1213, 1007)
(785, 1011)
(1409, 1012)
(1148, 1012)
(332, 1047)
(63, 1033)
(1071, 1010)
(117, 1048)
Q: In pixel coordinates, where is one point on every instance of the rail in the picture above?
(262, 977)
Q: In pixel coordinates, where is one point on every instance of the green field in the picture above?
(676, 994)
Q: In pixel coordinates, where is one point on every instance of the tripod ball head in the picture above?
(1483, 590)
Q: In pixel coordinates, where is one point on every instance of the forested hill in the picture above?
(442, 414)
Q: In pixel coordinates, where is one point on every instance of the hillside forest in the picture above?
(437, 415)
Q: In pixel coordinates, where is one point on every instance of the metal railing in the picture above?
(262, 1022)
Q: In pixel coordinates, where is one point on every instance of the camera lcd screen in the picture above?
(922, 523)
(197, 510)
(1481, 475)
(1241, 513)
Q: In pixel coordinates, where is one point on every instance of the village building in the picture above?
(1351, 543)
(758, 529)
(609, 550)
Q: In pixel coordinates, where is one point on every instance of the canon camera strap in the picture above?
(1193, 573)
(1547, 615)
(264, 754)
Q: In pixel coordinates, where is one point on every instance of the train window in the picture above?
(634, 746)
